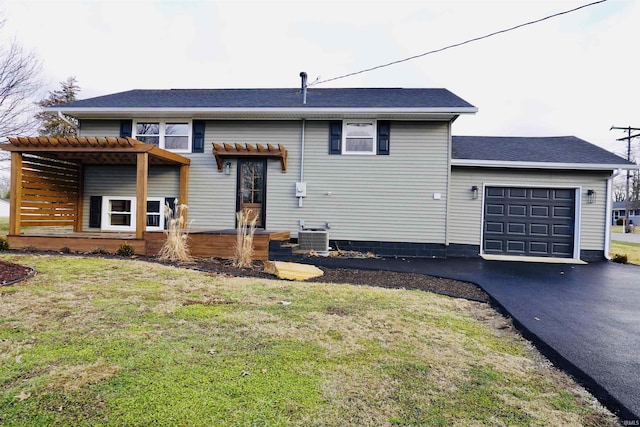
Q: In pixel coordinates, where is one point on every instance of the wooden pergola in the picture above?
(47, 177)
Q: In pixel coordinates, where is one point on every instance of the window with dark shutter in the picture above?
(126, 128)
(198, 136)
(384, 129)
(335, 137)
(95, 211)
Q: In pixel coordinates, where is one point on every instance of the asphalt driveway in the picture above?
(585, 318)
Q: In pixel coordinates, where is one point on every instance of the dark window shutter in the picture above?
(171, 201)
(95, 211)
(384, 129)
(198, 136)
(335, 137)
(126, 128)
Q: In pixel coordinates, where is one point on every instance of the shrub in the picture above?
(244, 238)
(619, 221)
(126, 250)
(4, 244)
(175, 247)
(620, 258)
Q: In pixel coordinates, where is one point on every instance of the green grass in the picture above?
(89, 341)
(631, 250)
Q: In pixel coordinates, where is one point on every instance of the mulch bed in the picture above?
(386, 279)
(9, 273)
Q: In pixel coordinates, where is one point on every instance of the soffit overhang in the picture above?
(428, 114)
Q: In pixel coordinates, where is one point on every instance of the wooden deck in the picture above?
(202, 243)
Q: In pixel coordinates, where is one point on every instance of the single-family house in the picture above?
(619, 212)
(369, 169)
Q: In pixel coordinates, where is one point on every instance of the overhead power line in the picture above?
(377, 67)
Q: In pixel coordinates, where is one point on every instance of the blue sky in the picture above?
(571, 75)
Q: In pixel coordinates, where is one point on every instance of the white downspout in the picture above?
(67, 121)
(607, 230)
(301, 159)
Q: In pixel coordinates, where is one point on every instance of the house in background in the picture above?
(620, 213)
(371, 169)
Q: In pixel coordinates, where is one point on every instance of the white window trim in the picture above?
(163, 123)
(106, 223)
(162, 203)
(375, 138)
(106, 220)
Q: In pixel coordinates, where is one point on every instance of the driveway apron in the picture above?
(585, 318)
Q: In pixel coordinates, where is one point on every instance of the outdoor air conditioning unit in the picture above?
(316, 240)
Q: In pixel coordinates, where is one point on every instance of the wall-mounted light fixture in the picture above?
(591, 196)
(474, 192)
(227, 168)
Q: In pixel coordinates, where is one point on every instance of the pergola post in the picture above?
(15, 198)
(142, 165)
(184, 190)
(77, 227)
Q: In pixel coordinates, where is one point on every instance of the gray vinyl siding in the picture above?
(465, 214)
(96, 128)
(378, 198)
(363, 197)
(212, 194)
(120, 181)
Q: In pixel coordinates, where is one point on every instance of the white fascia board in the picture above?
(539, 165)
(226, 112)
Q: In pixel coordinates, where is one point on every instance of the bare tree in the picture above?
(19, 83)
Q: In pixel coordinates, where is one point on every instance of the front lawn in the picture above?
(92, 341)
(631, 250)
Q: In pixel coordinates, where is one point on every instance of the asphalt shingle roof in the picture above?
(277, 98)
(557, 149)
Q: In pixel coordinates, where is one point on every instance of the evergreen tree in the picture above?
(51, 123)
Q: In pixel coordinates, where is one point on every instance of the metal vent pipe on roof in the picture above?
(303, 76)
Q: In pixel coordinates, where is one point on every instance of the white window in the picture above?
(167, 134)
(359, 137)
(155, 213)
(119, 213)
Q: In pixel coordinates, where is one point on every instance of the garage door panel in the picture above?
(539, 229)
(517, 228)
(517, 210)
(540, 211)
(516, 246)
(492, 209)
(562, 212)
(538, 248)
(493, 246)
(540, 193)
(529, 221)
(494, 227)
(517, 193)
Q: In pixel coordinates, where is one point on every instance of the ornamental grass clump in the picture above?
(175, 247)
(244, 238)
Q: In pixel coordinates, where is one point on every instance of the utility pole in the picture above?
(627, 204)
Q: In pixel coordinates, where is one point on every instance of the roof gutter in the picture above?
(302, 111)
(540, 165)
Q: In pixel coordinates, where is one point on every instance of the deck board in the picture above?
(202, 243)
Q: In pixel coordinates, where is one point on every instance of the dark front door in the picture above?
(529, 221)
(252, 184)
